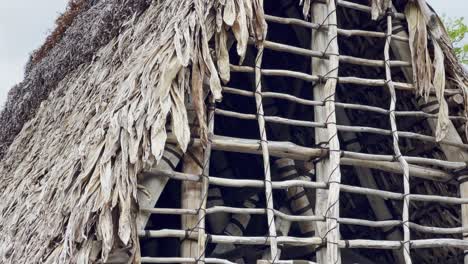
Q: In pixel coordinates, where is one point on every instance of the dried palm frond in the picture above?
(379, 7)
(113, 113)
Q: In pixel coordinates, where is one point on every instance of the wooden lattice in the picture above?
(321, 222)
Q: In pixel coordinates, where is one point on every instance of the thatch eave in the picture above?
(80, 130)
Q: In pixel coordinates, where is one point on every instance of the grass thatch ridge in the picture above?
(64, 21)
(74, 42)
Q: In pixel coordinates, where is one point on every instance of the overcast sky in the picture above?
(24, 24)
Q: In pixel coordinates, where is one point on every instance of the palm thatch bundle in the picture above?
(120, 104)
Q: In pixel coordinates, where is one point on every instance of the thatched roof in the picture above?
(92, 113)
(74, 164)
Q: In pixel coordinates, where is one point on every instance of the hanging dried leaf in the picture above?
(379, 7)
(123, 97)
(223, 55)
(439, 86)
(229, 12)
(421, 61)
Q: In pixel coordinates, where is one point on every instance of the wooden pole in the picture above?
(282, 229)
(191, 193)
(366, 179)
(236, 227)
(298, 201)
(320, 66)
(265, 153)
(402, 51)
(396, 148)
(329, 169)
(191, 198)
(155, 185)
(205, 181)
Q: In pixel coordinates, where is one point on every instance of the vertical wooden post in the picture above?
(320, 67)
(191, 197)
(202, 243)
(328, 170)
(191, 192)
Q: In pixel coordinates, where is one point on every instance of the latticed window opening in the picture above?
(318, 152)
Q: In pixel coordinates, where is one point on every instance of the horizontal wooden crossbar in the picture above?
(343, 80)
(305, 218)
(363, 8)
(302, 101)
(325, 55)
(303, 241)
(342, 32)
(345, 128)
(306, 184)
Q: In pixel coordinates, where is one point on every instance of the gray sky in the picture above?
(24, 25)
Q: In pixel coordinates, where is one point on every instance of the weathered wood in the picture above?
(374, 109)
(402, 51)
(155, 185)
(363, 8)
(343, 32)
(308, 184)
(202, 243)
(326, 55)
(191, 198)
(240, 240)
(298, 201)
(342, 80)
(183, 260)
(367, 180)
(356, 129)
(396, 148)
(300, 241)
(320, 67)
(241, 216)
